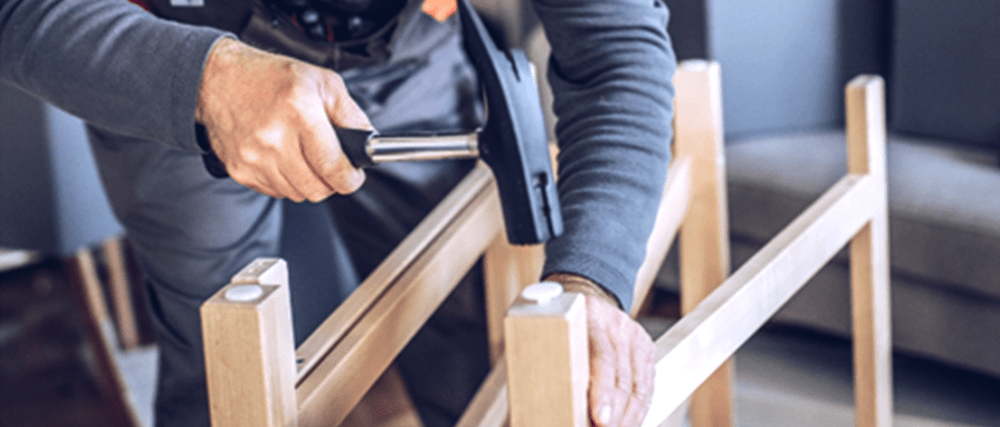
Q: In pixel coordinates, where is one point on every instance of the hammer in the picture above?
(513, 142)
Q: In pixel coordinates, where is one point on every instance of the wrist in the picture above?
(211, 72)
(579, 284)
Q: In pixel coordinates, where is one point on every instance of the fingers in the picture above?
(603, 373)
(302, 183)
(341, 110)
(621, 367)
(322, 168)
(269, 162)
(269, 121)
(643, 372)
(327, 162)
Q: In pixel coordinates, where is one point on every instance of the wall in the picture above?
(27, 205)
(51, 198)
(688, 28)
(780, 64)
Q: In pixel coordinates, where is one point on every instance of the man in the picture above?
(142, 83)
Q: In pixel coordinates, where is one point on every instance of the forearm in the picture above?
(611, 73)
(108, 62)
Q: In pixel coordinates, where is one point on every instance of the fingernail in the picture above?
(604, 415)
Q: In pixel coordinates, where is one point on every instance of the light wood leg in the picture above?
(669, 217)
(870, 295)
(704, 237)
(249, 351)
(83, 271)
(121, 292)
(506, 270)
(547, 360)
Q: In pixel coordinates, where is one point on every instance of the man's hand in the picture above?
(268, 119)
(622, 358)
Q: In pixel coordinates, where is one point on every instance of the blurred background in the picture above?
(784, 66)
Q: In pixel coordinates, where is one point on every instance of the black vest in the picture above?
(311, 30)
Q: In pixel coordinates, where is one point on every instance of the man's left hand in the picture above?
(622, 358)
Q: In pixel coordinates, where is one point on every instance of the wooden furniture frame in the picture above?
(853, 211)
(257, 378)
(124, 364)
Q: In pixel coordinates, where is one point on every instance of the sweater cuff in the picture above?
(591, 268)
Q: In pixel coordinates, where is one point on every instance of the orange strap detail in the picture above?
(440, 9)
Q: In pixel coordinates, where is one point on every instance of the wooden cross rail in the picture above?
(853, 211)
(411, 297)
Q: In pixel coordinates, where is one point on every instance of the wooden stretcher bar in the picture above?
(477, 188)
(850, 212)
(412, 296)
(703, 339)
(673, 208)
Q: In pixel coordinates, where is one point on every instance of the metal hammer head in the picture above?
(513, 142)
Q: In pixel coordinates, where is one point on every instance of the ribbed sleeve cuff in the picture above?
(562, 259)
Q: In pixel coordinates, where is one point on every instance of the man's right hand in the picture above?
(269, 119)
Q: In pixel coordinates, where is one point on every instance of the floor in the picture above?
(785, 377)
(44, 378)
(793, 378)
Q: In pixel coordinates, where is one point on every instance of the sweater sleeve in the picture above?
(108, 62)
(611, 72)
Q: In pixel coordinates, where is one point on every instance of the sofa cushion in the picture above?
(944, 201)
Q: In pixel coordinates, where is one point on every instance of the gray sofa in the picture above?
(784, 66)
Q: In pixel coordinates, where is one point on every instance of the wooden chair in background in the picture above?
(124, 362)
(256, 377)
(853, 211)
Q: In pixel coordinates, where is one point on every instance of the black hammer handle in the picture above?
(354, 143)
(366, 148)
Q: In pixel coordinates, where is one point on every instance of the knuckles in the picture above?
(273, 127)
